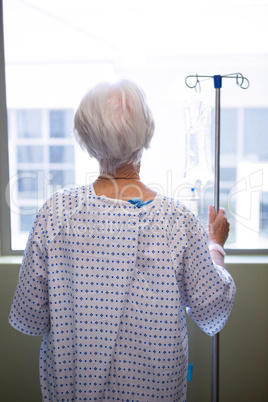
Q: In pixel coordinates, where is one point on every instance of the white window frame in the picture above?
(4, 193)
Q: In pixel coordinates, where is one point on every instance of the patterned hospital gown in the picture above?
(106, 283)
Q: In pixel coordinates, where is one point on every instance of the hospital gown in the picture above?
(106, 284)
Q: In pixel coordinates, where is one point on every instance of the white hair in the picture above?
(113, 123)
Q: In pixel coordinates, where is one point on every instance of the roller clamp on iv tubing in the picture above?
(193, 81)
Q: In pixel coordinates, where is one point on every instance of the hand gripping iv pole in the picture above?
(192, 81)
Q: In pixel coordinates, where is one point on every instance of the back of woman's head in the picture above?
(113, 123)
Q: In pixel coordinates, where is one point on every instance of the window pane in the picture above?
(29, 182)
(256, 134)
(229, 131)
(228, 204)
(61, 154)
(228, 174)
(264, 213)
(26, 219)
(29, 154)
(62, 178)
(29, 123)
(60, 123)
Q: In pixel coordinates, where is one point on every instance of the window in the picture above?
(60, 123)
(78, 45)
(244, 166)
(264, 213)
(41, 153)
(256, 134)
(28, 124)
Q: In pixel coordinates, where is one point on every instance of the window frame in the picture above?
(5, 220)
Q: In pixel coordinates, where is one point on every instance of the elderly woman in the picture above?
(110, 267)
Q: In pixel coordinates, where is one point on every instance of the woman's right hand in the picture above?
(218, 226)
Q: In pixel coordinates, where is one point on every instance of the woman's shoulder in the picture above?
(177, 214)
(66, 201)
(59, 208)
(173, 206)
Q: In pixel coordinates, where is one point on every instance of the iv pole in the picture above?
(243, 83)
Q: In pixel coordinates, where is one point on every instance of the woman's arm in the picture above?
(218, 231)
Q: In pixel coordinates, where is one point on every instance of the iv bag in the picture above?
(198, 175)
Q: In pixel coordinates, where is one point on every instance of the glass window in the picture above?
(228, 174)
(60, 122)
(44, 87)
(29, 154)
(256, 134)
(62, 178)
(29, 123)
(26, 219)
(264, 213)
(229, 204)
(61, 154)
(32, 179)
(229, 131)
(28, 182)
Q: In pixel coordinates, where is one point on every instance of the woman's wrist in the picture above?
(217, 247)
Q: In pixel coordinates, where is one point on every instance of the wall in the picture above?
(243, 344)
(19, 353)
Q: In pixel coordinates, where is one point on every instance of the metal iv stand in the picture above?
(192, 81)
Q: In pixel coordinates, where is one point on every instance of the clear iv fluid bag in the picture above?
(198, 175)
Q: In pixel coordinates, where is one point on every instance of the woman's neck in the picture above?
(124, 184)
(124, 172)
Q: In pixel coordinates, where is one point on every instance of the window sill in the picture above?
(229, 260)
(246, 259)
(11, 260)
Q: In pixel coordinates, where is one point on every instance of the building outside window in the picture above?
(41, 153)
